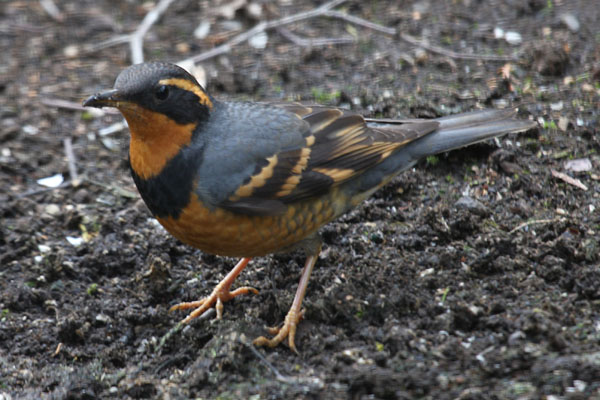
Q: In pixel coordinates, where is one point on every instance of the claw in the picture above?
(294, 315)
(280, 333)
(219, 295)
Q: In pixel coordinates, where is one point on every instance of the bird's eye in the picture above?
(161, 92)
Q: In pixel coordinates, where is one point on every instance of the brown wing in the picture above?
(342, 146)
(338, 146)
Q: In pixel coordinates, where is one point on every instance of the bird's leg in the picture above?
(295, 313)
(219, 295)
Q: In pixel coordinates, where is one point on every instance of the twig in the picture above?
(60, 103)
(113, 41)
(452, 54)
(71, 161)
(136, 38)
(58, 348)
(413, 40)
(566, 178)
(119, 191)
(43, 190)
(163, 340)
(303, 42)
(71, 105)
(359, 21)
(261, 27)
(179, 326)
(535, 222)
(310, 381)
(136, 41)
(52, 10)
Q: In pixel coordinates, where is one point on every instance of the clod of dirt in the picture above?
(472, 205)
(550, 59)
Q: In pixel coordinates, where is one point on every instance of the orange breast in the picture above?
(224, 233)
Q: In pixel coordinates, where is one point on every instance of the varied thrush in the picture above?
(250, 179)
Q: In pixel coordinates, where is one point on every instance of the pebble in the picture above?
(52, 209)
(571, 22)
(513, 38)
(259, 41)
(71, 51)
(43, 248)
(202, 30)
(472, 205)
(102, 318)
(51, 181)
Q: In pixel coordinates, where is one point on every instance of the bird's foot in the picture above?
(220, 294)
(288, 330)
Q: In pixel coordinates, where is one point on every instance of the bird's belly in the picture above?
(222, 232)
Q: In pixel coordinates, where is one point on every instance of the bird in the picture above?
(249, 179)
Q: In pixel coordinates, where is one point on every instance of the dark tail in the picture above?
(464, 129)
(453, 132)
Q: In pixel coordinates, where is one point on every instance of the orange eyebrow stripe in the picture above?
(190, 87)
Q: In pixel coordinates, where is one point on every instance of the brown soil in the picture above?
(416, 294)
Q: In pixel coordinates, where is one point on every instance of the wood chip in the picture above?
(566, 178)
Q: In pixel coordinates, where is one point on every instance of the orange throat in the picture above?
(155, 139)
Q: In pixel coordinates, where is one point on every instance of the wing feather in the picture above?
(338, 146)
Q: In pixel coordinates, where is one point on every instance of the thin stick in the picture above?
(303, 42)
(52, 10)
(452, 54)
(261, 27)
(300, 380)
(535, 222)
(71, 105)
(71, 161)
(359, 21)
(60, 103)
(566, 178)
(413, 40)
(136, 41)
(113, 41)
(42, 190)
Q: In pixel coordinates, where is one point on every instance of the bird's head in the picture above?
(164, 107)
(160, 88)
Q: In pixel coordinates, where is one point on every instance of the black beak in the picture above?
(104, 99)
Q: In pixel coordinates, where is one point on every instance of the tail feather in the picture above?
(461, 130)
(454, 131)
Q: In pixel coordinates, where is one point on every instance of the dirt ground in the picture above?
(474, 276)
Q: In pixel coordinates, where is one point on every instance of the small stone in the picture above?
(571, 22)
(498, 33)
(516, 337)
(102, 319)
(182, 47)
(75, 241)
(563, 123)
(513, 38)
(254, 10)
(259, 41)
(51, 181)
(557, 106)
(52, 209)
(579, 165)
(43, 248)
(472, 205)
(71, 51)
(202, 30)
